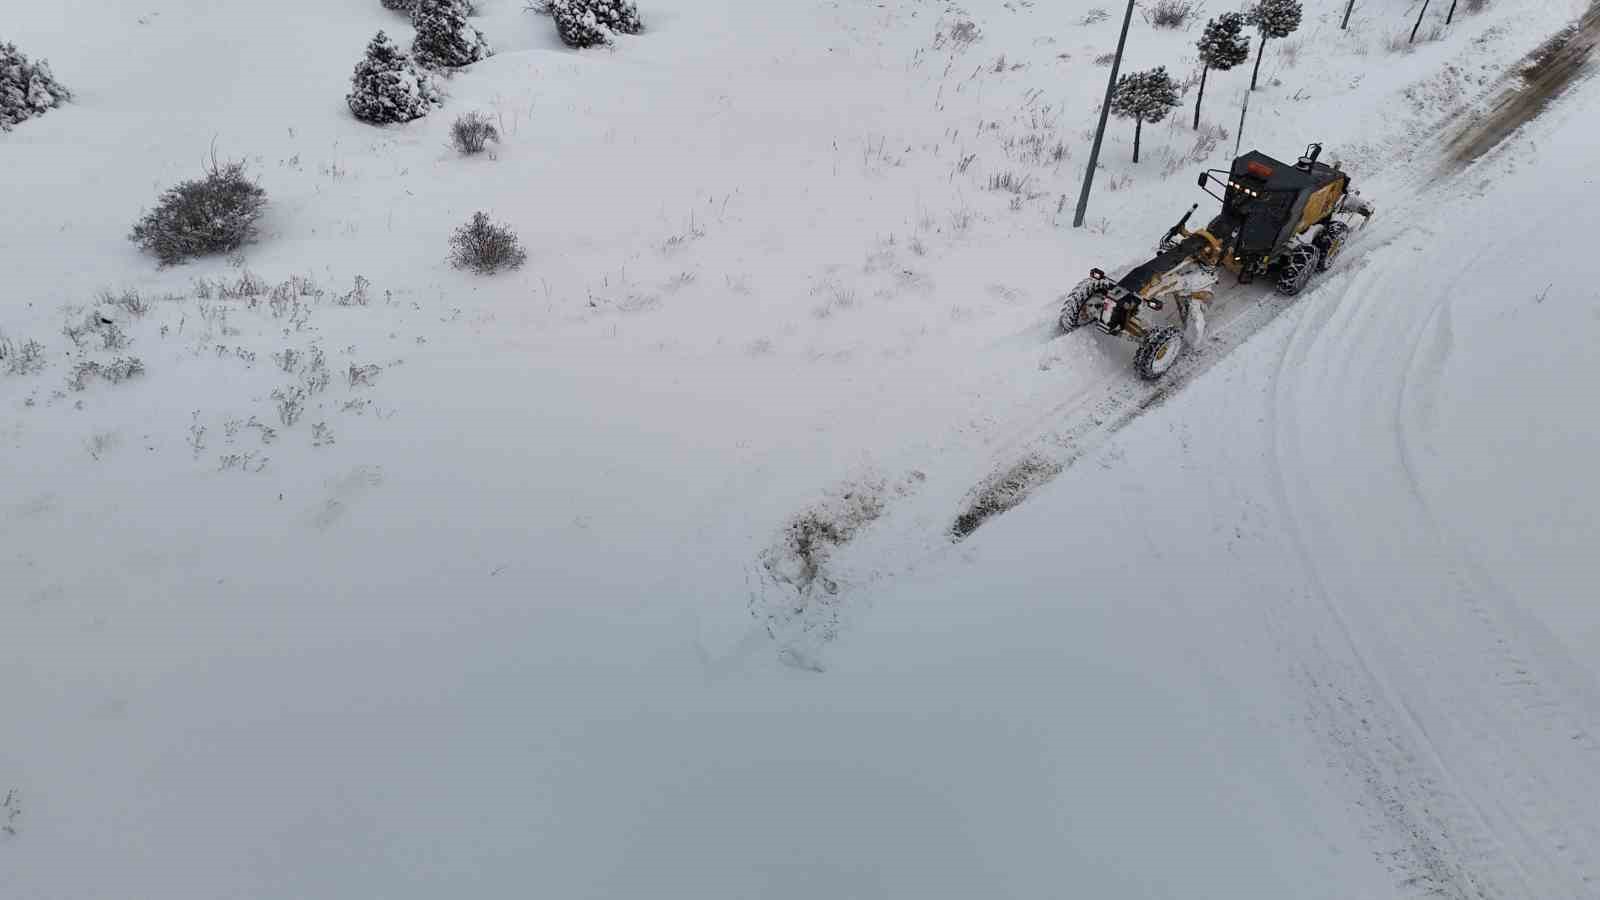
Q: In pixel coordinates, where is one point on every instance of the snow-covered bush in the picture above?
(214, 214)
(472, 132)
(1144, 97)
(388, 87)
(444, 39)
(485, 247)
(1222, 46)
(1273, 19)
(27, 89)
(587, 23)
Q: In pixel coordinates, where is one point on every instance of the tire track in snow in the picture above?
(1530, 700)
(1368, 729)
(1424, 738)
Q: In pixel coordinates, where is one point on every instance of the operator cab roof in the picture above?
(1284, 176)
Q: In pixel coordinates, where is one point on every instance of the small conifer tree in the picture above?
(1273, 19)
(388, 87)
(444, 39)
(587, 23)
(27, 89)
(1146, 96)
(1222, 46)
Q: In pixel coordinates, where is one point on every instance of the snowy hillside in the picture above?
(650, 569)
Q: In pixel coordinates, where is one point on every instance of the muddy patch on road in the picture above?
(1541, 77)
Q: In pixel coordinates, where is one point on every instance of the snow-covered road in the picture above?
(1383, 491)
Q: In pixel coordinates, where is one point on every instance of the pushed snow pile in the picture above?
(214, 214)
(444, 39)
(26, 89)
(388, 87)
(587, 23)
(1003, 491)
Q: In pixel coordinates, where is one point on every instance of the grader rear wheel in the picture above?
(1298, 270)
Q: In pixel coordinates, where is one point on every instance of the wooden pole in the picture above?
(1239, 138)
(1419, 22)
(1105, 112)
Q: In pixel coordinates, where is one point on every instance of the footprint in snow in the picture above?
(343, 491)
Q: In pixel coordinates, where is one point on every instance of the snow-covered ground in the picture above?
(513, 612)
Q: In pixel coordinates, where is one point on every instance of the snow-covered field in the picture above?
(513, 606)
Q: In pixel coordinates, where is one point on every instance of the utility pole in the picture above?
(1105, 112)
(1419, 22)
(1345, 25)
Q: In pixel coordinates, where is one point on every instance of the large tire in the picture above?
(1330, 242)
(1075, 306)
(1158, 352)
(1298, 270)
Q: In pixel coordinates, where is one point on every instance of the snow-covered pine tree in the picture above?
(621, 16)
(587, 23)
(27, 89)
(1144, 97)
(444, 39)
(388, 87)
(1222, 46)
(1274, 19)
(410, 6)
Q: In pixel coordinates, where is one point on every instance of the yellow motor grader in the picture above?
(1277, 220)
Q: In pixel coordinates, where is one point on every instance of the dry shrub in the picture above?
(472, 132)
(116, 372)
(213, 214)
(1172, 13)
(485, 247)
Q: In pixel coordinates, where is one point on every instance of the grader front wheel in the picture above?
(1158, 352)
(1075, 306)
